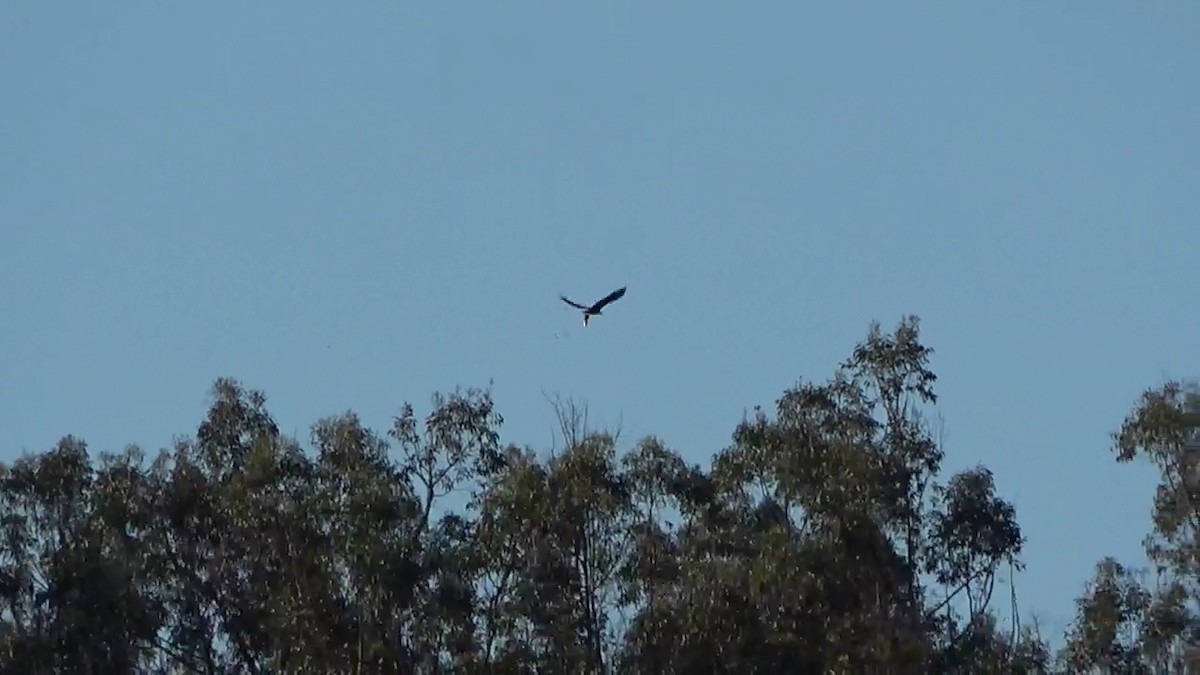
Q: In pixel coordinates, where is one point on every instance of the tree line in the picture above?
(824, 538)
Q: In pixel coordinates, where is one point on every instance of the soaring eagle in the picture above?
(594, 310)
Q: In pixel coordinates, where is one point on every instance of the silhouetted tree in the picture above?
(1122, 624)
(823, 538)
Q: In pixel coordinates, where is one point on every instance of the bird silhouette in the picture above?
(594, 309)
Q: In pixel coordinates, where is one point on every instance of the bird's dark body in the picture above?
(594, 309)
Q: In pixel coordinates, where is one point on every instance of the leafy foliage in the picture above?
(824, 538)
(1124, 624)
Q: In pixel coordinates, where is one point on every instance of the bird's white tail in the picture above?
(585, 319)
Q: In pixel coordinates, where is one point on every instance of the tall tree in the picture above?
(823, 538)
(72, 583)
(1122, 624)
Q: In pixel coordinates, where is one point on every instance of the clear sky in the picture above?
(350, 205)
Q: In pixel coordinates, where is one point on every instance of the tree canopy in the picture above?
(824, 538)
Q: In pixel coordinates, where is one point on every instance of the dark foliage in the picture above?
(822, 539)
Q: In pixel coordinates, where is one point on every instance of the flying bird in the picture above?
(594, 310)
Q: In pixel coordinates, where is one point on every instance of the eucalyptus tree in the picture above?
(824, 537)
(1124, 623)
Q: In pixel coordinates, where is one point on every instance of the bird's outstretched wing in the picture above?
(572, 303)
(611, 297)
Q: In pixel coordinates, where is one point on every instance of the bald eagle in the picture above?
(594, 310)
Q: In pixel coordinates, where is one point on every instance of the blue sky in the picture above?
(356, 205)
